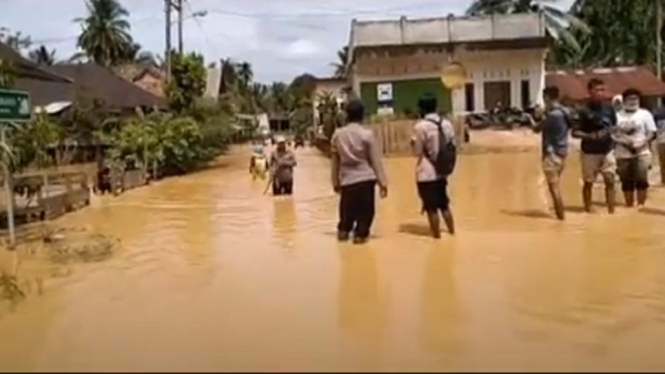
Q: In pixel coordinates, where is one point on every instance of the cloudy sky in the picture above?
(280, 38)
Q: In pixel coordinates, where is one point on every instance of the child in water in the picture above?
(258, 162)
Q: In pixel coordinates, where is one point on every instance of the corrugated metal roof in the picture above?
(447, 30)
(572, 83)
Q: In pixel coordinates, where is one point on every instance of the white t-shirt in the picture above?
(635, 127)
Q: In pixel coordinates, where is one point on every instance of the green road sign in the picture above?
(14, 105)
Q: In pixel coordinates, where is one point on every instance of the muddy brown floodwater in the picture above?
(213, 275)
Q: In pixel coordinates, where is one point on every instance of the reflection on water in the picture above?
(213, 275)
(440, 325)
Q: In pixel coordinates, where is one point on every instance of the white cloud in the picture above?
(281, 38)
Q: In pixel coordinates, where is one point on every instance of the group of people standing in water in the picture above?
(615, 138)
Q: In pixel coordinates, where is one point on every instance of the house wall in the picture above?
(512, 66)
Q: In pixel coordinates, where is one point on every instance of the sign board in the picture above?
(14, 106)
(453, 75)
(385, 111)
(384, 92)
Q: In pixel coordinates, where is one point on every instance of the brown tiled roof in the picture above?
(572, 83)
(102, 84)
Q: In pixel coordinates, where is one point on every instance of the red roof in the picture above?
(572, 83)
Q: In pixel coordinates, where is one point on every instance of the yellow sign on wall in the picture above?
(453, 75)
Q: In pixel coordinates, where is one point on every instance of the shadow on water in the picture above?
(529, 213)
(653, 211)
(417, 229)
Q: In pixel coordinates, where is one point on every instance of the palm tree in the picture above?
(623, 34)
(340, 65)
(229, 75)
(244, 73)
(134, 54)
(557, 22)
(105, 37)
(42, 56)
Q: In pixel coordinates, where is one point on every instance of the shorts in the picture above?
(282, 188)
(594, 164)
(634, 172)
(434, 195)
(553, 167)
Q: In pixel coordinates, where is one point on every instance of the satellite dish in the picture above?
(453, 75)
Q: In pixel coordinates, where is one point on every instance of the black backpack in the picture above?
(446, 157)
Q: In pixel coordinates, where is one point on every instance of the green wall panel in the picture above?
(406, 94)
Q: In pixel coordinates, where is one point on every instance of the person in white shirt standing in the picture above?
(635, 129)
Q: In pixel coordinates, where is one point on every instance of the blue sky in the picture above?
(281, 38)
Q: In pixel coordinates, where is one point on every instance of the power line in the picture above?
(200, 26)
(331, 13)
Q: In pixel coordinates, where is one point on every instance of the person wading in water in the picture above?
(356, 168)
(633, 133)
(282, 162)
(554, 128)
(434, 145)
(594, 128)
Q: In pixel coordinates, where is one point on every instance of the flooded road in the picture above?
(213, 275)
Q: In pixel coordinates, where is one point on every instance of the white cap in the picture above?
(280, 139)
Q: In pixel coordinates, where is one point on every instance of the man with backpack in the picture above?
(554, 126)
(434, 145)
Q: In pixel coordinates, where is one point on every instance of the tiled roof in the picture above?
(572, 83)
(102, 84)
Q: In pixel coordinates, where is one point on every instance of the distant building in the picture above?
(572, 84)
(146, 76)
(337, 88)
(392, 63)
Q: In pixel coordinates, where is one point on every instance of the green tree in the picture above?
(105, 37)
(42, 55)
(245, 74)
(188, 81)
(623, 33)
(16, 41)
(558, 23)
(229, 75)
(340, 65)
(135, 54)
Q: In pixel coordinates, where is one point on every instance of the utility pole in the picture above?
(178, 8)
(167, 49)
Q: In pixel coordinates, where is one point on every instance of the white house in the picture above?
(335, 87)
(391, 63)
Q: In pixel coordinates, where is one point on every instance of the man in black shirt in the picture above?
(594, 128)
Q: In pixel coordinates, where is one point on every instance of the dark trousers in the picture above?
(282, 188)
(356, 208)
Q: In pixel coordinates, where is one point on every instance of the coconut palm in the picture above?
(340, 65)
(229, 75)
(105, 37)
(244, 73)
(134, 54)
(558, 23)
(42, 55)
